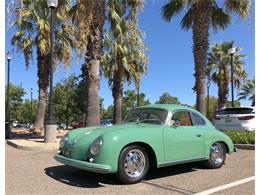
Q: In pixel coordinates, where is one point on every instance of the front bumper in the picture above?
(93, 167)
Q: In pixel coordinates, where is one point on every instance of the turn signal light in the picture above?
(246, 117)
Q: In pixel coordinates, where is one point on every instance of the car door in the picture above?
(184, 141)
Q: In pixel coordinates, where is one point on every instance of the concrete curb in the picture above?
(13, 143)
(245, 146)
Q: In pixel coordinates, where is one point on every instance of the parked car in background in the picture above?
(240, 119)
(157, 135)
(77, 125)
(106, 122)
(22, 124)
(61, 126)
(14, 124)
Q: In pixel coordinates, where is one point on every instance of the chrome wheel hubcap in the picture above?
(217, 153)
(134, 163)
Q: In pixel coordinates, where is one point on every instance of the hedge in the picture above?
(241, 137)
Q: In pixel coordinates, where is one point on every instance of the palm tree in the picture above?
(89, 17)
(248, 91)
(219, 66)
(200, 15)
(124, 58)
(91, 68)
(33, 31)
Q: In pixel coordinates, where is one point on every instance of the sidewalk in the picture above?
(24, 140)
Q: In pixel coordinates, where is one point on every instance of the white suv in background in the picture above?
(240, 119)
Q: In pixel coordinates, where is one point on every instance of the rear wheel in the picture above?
(217, 156)
(133, 164)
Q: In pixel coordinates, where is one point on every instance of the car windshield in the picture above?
(236, 111)
(147, 115)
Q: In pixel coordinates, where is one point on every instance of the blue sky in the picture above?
(171, 65)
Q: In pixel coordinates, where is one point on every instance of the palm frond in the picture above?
(171, 8)
(125, 50)
(32, 26)
(248, 90)
(219, 63)
(81, 17)
(219, 19)
(241, 7)
(186, 22)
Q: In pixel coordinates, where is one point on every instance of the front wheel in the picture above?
(133, 164)
(217, 156)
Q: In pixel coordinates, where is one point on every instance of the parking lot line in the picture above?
(170, 188)
(226, 186)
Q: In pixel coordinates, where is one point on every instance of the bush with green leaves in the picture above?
(241, 137)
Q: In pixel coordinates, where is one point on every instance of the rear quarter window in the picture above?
(196, 119)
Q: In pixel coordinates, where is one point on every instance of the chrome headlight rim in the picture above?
(63, 141)
(96, 146)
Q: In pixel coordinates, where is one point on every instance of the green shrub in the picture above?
(241, 137)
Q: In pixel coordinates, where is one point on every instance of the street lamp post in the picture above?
(7, 124)
(51, 125)
(231, 52)
(31, 120)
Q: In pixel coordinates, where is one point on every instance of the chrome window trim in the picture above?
(199, 116)
(178, 110)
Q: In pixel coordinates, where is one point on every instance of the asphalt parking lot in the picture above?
(36, 172)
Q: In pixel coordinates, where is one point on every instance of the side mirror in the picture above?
(177, 123)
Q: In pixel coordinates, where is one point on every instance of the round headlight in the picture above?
(95, 146)
(63, 141)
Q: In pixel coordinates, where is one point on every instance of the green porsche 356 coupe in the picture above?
(154, 135)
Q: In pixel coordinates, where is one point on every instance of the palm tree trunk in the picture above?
(223, 89)
(43, 83)
(225, 86)
(91, 68)
(201, 11)
(220, 93)
(92, 96)
(117, 92)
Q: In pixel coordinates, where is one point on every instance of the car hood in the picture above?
(81, 136)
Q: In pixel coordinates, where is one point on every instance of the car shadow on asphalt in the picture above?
(156, 173)
(80, 178)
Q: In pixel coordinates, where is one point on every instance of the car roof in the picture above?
(168, 107)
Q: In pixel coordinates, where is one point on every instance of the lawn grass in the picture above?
(241, 137)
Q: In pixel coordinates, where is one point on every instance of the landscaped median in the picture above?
(242, 139)
(33, 144)
(24, 139)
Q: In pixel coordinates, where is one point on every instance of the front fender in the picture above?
(114, 142)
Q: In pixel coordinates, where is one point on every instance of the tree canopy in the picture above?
(129, 101)
(219, 68)
(16, 94)
(166, 98)
(31, 21)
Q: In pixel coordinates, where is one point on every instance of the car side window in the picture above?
(183, 117)
(196, 119)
